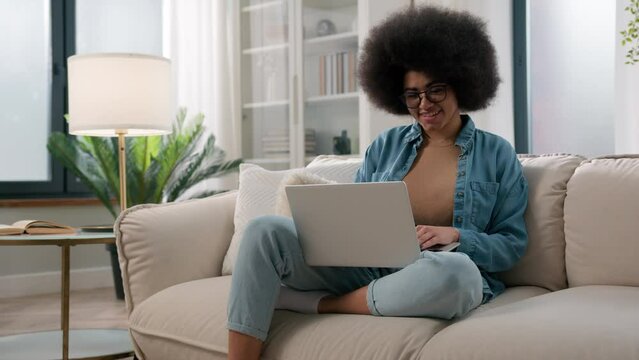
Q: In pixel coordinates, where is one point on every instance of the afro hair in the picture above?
(449, 46)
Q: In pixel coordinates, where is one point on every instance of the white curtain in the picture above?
(498, 118)
(197, 39)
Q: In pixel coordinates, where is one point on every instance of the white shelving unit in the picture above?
(261, 6)
(325, 44)
(287, 115)
(331, 98)
(297, 86)
(265, 104)
(264, 49)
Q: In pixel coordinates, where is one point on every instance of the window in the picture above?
(31, 94)
(569, 81)
(33, 77)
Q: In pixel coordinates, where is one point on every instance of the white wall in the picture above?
(498, 118)
(371, 12)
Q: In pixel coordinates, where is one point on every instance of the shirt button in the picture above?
(459, 219)
(462, 173)
(460, 194)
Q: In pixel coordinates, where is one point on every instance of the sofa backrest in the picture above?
(543, 263)
(602, 222)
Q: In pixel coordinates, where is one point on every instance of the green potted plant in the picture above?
(159, 168)
(630, 36)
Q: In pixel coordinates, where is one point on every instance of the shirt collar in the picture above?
(463, 140)
(465, 137)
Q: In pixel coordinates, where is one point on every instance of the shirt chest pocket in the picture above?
(483, 199)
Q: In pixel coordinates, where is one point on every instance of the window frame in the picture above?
(521, 92)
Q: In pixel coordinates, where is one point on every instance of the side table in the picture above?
(74, 344)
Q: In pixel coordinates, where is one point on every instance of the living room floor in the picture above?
(96, 308)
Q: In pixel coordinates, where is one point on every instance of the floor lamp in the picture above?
(119, 95)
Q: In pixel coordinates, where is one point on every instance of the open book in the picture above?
(35, 227)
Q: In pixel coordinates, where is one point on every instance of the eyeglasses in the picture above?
(435, 93)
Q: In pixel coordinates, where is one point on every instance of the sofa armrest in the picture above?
(160, 245)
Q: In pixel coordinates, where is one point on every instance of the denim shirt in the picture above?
(491, 193)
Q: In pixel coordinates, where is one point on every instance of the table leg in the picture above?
(66, 250)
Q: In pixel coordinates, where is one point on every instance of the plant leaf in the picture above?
(176, 147)
(81, 164)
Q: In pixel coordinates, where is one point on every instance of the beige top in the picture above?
(431, 185)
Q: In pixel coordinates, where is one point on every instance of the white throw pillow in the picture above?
(258, 193)
(341, 169)
(302, 177)
(256, 196)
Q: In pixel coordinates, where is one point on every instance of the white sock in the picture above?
(304, 302)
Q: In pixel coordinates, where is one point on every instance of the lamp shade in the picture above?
(126, 93)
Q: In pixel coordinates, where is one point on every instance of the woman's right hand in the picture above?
(428, 236)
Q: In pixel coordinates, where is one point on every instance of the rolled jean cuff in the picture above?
(261, 335)
(370, 299)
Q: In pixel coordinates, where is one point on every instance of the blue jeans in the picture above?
(439, 285)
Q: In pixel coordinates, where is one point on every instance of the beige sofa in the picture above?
(574, 295)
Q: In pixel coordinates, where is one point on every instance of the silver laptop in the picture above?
(362, 224)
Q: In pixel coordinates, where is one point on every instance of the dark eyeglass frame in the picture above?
(426, 94)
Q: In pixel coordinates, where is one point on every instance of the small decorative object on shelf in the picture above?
(341, 144)
(325, 27)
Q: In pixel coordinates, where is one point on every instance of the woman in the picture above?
(464, 185)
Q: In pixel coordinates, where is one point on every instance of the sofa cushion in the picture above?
(188, 321)
(511, 295)
(602, 229)
(258, 193)
(590, 322)
(191, 316)
(543, 263)
(256, 196)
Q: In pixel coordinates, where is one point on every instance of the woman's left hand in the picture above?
(428, 236)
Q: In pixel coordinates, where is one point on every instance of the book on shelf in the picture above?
(285, 154)
(276, 155)
(278, 149)
(276, 143)
(275, 148)
(322, 74)
(39, 227)
(337, 73)
(274, 138)
(282, 135)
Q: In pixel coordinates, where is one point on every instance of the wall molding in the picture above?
(50, 282)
